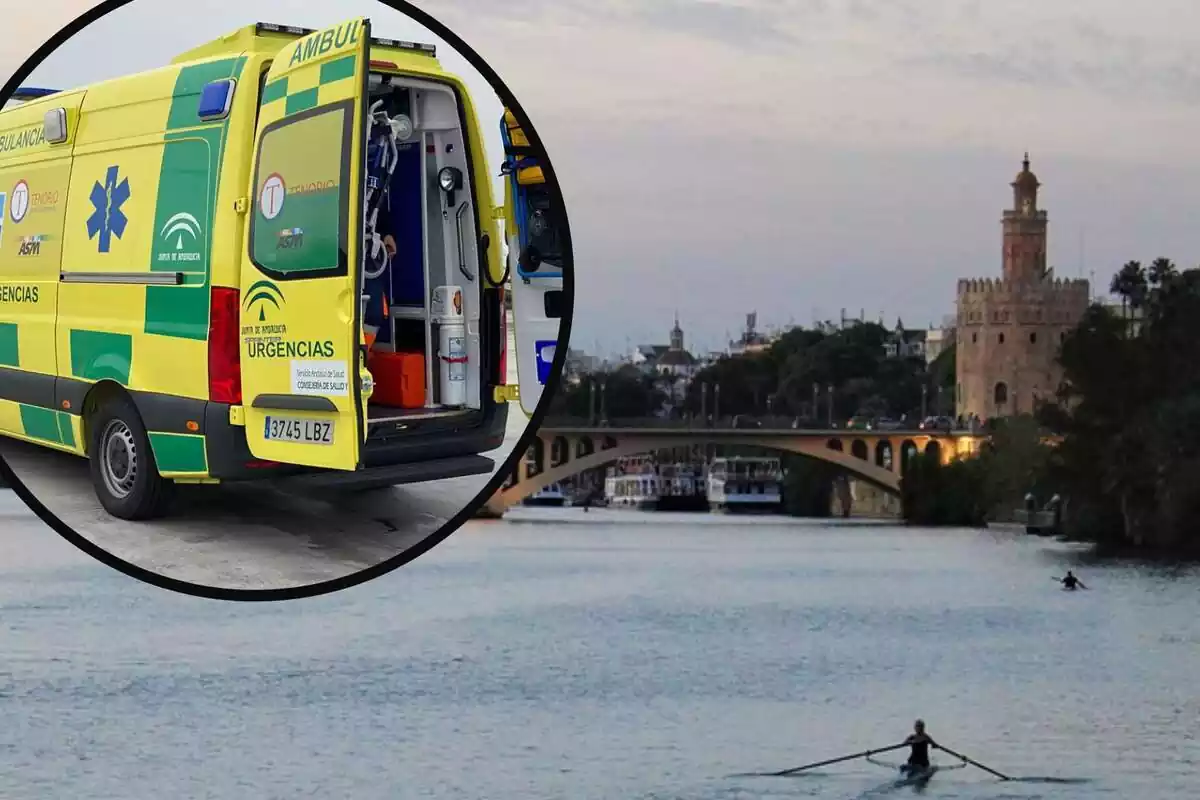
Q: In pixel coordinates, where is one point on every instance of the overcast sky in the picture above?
(793, 157)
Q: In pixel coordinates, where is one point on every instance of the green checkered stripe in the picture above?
(298, 93)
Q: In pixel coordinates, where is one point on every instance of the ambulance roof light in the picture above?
(216, 99)
(26, 93)
(400, 44)
(270, 26)
(416, 47)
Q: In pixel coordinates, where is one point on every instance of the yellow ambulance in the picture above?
(277, 258)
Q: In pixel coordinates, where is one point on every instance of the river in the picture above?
(607, 655)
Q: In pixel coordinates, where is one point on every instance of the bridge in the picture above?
(563, 450)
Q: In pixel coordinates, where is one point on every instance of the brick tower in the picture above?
(1009, 330)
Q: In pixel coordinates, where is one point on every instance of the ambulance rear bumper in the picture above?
(441, 452)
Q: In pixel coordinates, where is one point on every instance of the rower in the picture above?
(1070, 581)
(920, 742)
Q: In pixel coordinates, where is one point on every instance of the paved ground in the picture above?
(229, 538)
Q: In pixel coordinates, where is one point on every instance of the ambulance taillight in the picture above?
(224, 347)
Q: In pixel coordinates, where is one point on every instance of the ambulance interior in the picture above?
(421, 295)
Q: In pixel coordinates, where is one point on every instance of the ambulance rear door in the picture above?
(301, 332)
(537, 261)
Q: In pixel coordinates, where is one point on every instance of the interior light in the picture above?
(402, 127)
(450, 179)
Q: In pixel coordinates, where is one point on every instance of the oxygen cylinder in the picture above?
(447, 311)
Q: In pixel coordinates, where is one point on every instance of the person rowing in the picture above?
(1071, 582)
(919, 741)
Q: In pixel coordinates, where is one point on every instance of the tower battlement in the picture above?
(1071, 289)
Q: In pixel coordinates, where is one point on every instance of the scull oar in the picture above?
(827, 762)
(974, 763)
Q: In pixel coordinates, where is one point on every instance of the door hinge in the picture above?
(241, 205)
(506, 394)
(498, 212)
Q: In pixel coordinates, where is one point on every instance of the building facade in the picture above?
(751, 340)
(939, 339)
(1009, 329)
(905, 342)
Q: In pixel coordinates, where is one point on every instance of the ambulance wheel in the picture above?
(124, 472)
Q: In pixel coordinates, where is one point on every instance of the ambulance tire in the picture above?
(120, 446)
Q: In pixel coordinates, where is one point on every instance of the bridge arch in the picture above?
(884, 457)
(584, 446)
(857, 463)
(908, 451)
(560, 451)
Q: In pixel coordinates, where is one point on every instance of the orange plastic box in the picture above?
(399, 378)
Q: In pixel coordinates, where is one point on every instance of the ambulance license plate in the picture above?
(304, 431)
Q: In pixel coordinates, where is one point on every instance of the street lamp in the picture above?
(924, 402)
(830, 388)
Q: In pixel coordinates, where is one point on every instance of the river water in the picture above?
(559, 654)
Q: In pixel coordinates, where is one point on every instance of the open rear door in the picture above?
(300, 277)
(537, 260)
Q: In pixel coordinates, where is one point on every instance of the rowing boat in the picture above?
(915, 776)
(910, 775)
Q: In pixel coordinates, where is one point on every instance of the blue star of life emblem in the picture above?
(108, 219)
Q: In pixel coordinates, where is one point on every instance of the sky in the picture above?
(792, 157)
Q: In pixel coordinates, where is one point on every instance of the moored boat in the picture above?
(552, 495)
(746, 485)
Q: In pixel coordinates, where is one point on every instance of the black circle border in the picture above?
(468, 512)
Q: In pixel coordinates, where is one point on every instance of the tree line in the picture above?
(1129, 413)
(791, 377)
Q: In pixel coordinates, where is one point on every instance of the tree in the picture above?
(853, 361)
(1162, 270)
(1129, 412)
(942, 372)
(745, 384)
(932, 493)
(1130, 283)
(1015, 462)
(625, 393)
